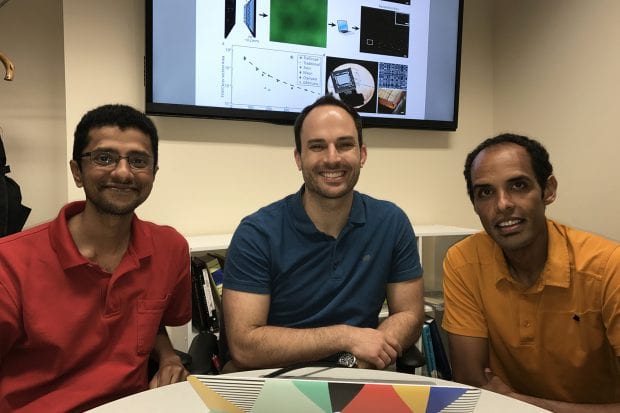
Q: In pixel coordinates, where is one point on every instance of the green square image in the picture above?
(301, 22)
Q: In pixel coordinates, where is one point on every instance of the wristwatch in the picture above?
(346, 359)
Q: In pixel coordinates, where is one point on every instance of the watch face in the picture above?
(347, 360)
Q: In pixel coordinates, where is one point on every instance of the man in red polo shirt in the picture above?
(84, 298)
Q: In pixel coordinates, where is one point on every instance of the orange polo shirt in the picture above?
(560, 338)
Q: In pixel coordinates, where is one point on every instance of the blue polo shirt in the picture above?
(314, 279)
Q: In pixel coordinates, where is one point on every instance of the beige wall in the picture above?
(214, 172)
(32, 106)
(538, 67)
(557, 68)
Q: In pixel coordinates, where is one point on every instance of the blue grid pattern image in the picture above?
(392, 76)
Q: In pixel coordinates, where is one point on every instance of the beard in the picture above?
(106, 202)
(313, 183)
(111, 208)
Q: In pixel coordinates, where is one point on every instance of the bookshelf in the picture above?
(207, 243)
(433, 242)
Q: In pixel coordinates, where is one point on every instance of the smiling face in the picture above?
(331, 157)
(116, 189)
(508, 199)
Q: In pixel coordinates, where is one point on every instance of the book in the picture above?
(215, 267)
(200, 304)
(208, 286)
(207, 304)
(427, 345)
(442, 364)
(420, 371)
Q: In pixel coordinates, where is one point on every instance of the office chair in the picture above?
(411, 359)
(208, 353)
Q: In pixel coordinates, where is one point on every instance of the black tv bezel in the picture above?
(279, 117)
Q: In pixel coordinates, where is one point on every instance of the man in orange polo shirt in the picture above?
(532, 307)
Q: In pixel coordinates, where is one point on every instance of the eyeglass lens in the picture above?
(106, 158)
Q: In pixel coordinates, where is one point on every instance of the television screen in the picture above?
(396, 61)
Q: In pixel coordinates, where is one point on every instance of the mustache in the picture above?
(119, 185)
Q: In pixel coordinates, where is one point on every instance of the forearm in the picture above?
(564, 407)
(469, 358)
(406, 304)
(163, 349)
(494, 383)
(404, 326)
(171, 369)
(471, 378)
(272, 346)
(466, 371)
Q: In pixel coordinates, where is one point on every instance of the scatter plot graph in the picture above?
(267, 79)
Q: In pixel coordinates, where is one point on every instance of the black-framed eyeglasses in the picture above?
(107, 159)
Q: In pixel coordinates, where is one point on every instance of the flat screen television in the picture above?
(396, 61)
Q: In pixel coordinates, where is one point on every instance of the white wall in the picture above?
(545, 68)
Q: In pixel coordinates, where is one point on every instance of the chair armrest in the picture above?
(411, 359)
(186, 359)
(201, 351)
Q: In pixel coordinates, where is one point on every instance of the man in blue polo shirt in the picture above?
(306, 276)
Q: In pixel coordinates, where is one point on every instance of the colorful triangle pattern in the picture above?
(323, 396)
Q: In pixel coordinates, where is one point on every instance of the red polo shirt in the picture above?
(73, 336)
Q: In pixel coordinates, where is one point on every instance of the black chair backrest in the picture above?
(13, 214)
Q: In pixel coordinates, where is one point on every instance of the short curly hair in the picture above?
(538, 156)
(122, 116)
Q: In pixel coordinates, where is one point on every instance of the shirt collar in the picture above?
(557, 268)
(358, 211)
(556, 272)
(304, 224)
(140, 244)
(61, 239)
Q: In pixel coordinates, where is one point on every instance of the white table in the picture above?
(182, 397)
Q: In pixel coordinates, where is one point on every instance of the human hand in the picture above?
(374, 348)
(361, 364)
(495, 384)
(170, 371)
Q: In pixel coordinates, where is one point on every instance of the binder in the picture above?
(429, 353)
(200, 307)
(213, 272)
(441, 357)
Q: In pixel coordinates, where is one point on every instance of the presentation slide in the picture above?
(395, 61)
(282, 55)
